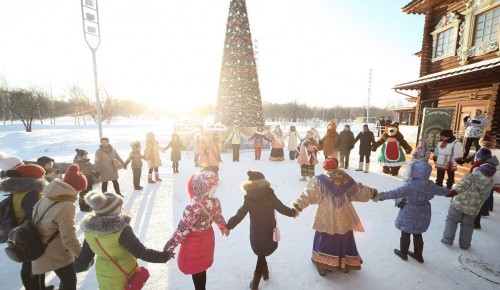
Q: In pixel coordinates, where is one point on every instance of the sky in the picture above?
(168, 53)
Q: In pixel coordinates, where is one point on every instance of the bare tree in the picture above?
(23, 104)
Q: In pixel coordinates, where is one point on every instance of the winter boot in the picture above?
(341, 165)
(254, 285)
(360, 167)
(177, 168)
(418, 247)
(346, 165)
(404, 244)
(150, 178)
(157, 176)
(367, 168)
(265, 273)
(321, 271)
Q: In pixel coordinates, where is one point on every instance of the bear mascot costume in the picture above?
(330, 140)
(391, 156)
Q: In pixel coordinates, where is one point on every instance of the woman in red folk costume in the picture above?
(258, 141)
(277, 145)
(194, 232)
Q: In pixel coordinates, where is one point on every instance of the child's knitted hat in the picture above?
(487, 169)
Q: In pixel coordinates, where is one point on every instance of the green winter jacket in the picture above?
(471, 191)
(108, 275)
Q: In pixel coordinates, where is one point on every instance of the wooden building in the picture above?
(460, 59)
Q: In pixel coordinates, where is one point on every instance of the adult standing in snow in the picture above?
(261, 202)
(380, 125)
(58, 205)
(208, 160)
(108, 232)
(194, 232)
(489, 142)
(334, 246)
(277, 145)
(366, 141)
(152, 155)
(345, 144)
(308, 156)
(235, 138)
(26, 183)
(446, 154)
(293, 141)
(414, 215)
(474, 129)
(175, 156)
(258, 141)
(105, 158)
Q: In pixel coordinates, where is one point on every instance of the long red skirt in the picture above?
(197, 252)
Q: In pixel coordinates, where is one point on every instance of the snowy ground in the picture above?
(158, 208)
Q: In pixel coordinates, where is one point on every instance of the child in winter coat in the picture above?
(81, 158)
(58, 205)
(468, 196)
(488, 141)
(194, 232)
(345, 144)
(277, 144)
(258, 142)
(207, 150)
(261, 202)
(447, 153)
(334, 246)
(308, 156)
(152, 155)
(175, 156)
(135, 157)
(26, 183)
(415, 211)
(482, 156)
(422, 152)
(109, 236)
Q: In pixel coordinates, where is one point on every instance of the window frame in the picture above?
(448, 22)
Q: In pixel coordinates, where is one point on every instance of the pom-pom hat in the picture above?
(75, 178)
(104, 204)
(488, 141)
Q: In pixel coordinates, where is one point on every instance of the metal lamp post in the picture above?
(91, 31)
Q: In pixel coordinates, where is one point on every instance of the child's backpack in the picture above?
(24, 243)
(7, 217)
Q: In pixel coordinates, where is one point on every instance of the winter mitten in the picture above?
(452, 193)
(475, 122)
(466, 118)
(296, 206)
(376, 196)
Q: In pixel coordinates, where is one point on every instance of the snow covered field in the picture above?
(158, 208)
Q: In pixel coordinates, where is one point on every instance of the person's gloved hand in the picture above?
(407, 151)
(466, 118)
(434, 158)
(452, 193)
(475, 122)
(400, 203)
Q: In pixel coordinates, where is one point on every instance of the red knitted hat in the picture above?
(74, 178)
(31, 170)
(330, 163)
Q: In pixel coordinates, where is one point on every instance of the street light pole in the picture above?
(92, 34)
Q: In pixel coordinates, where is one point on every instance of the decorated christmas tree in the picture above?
(238, 101)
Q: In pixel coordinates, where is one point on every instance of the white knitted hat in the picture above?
(10, 162)
(104, 204)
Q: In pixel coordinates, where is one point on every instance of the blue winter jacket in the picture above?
(415, 216)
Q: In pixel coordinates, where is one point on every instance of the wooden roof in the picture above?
(492, 64)
(420, 6)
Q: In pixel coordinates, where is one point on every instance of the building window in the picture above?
(486, 26)
(446, 42)
(445, 37)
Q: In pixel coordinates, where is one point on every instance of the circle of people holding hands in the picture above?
(111, 244)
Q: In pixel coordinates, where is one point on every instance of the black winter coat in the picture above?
(346, 141)
(367, 139)
(176, 146)
(261, 202)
